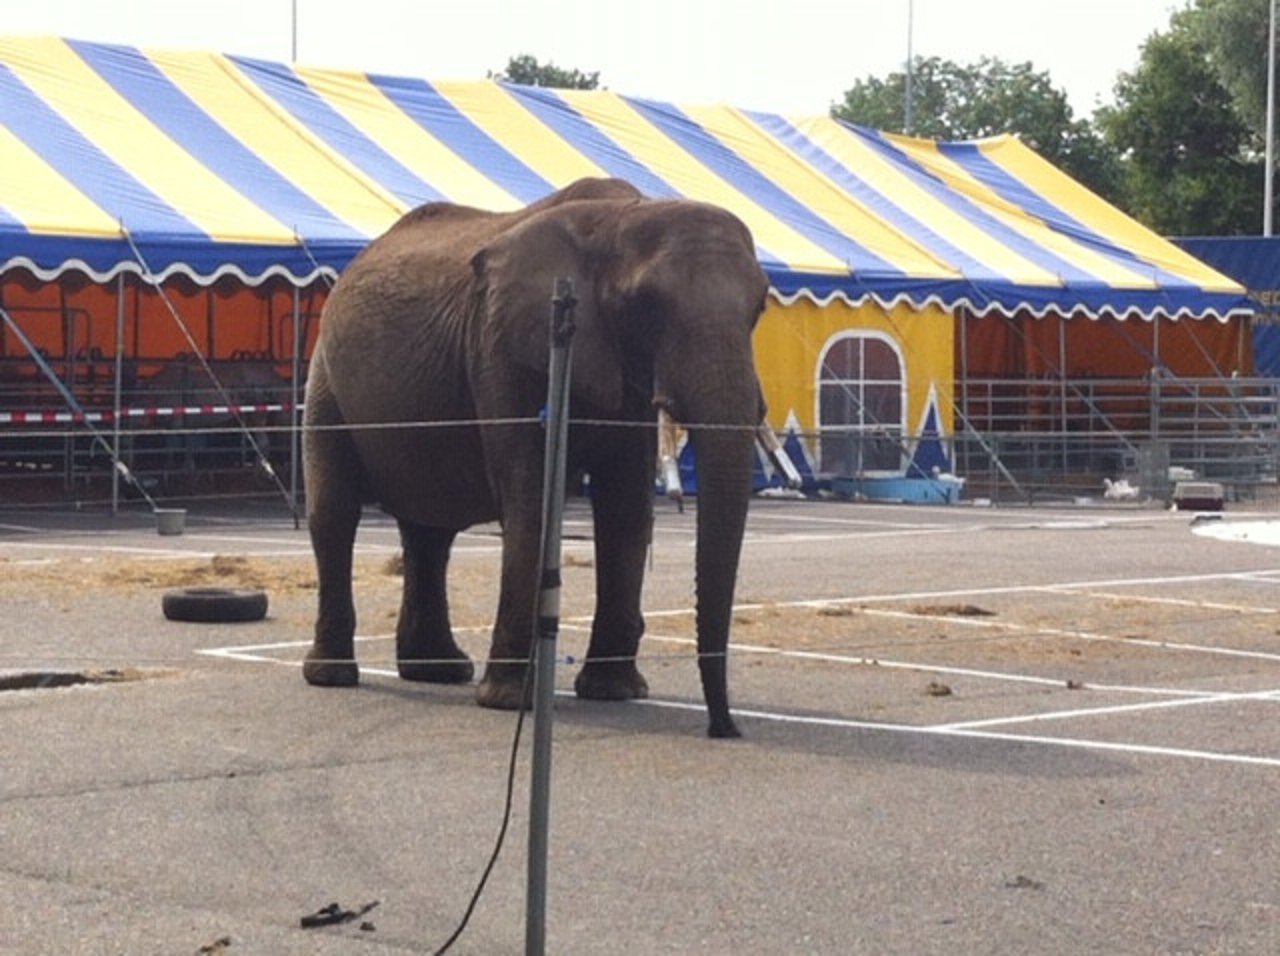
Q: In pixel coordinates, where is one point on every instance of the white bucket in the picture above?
(170, 520)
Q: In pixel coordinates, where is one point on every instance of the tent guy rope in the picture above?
(150, 278)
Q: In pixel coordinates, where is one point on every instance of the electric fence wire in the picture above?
(183, 431)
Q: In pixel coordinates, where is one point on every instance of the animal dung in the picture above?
(835, 610)
(952, 610)
(1021, 882)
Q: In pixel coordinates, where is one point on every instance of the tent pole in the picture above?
(1155, 340)
(69, 374)
(293, 404)
(1156, 374)
(116, 398)
(962, 316)
(1062, 387)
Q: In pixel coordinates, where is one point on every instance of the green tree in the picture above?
(1189, 166)
(527, 71)
(1234, 36)
(951, 101)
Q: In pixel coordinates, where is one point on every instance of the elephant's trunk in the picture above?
(724, 487)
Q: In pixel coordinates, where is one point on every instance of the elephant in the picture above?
(444, 320)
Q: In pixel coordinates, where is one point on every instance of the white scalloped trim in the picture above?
(995, 308)
(885, 302)
(177, 269)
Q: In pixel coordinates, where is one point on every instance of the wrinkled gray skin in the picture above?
(445, 318)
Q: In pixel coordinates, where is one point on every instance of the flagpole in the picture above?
(908, 120)
(1268, 182)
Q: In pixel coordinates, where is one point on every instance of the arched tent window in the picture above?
(861, 406)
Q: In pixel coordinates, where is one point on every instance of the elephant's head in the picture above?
(669, 292)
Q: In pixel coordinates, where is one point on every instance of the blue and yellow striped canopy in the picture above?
(159, 162)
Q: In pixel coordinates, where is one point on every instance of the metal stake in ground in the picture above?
(562, 328)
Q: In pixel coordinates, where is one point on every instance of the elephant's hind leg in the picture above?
(331, 661)
(333, 513)
(425, 648)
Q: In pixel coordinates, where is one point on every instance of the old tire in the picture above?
(215, 605)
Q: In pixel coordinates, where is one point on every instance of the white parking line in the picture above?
(1171, 602)
(97, 547)
(943, 730)
(1186, 701)
(1177, 579)
(803, 537)
(298, 543)
(942, 669)
(1034, 629)
(1072, 743)
(255, 653)
(977, 729)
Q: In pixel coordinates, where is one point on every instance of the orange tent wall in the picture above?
(75, 318)
(1027, 347)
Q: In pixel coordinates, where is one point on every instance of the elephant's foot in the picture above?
(722, 727)
(450, 666)
(323, 670)
(503, 688)
(613, 680)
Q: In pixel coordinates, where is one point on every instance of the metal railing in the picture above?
(177, 431)
(1013, 440)
(1062, 437)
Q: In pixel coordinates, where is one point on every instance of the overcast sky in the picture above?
(790, 56)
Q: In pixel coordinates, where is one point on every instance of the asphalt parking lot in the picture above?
(967, 730)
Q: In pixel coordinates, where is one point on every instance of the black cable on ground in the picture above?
(506, 811)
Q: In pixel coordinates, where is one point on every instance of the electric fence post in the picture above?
(548, 626)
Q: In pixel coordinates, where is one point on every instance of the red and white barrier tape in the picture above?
(150, 411)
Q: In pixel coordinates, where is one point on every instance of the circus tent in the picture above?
(148, 189)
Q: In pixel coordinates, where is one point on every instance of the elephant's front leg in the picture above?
(622, 505)
(514, 456)
(425, 648)
(504, 683)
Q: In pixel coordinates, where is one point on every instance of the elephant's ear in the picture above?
(515, 279)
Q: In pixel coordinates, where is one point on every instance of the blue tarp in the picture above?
(1254, 262)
